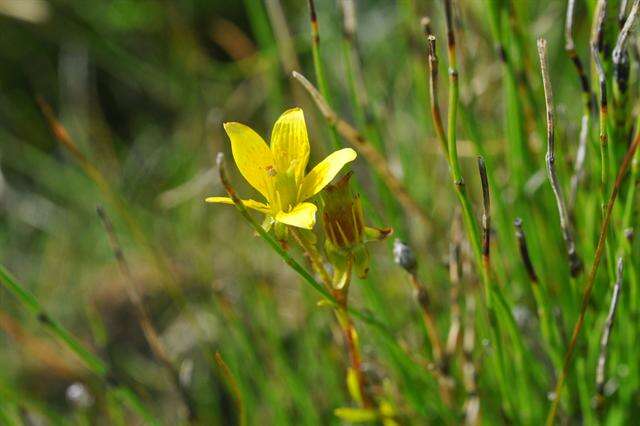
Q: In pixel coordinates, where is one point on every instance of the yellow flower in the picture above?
(278, 171)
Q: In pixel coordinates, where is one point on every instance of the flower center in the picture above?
(283, 189)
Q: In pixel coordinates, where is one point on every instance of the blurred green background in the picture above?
(143, 87)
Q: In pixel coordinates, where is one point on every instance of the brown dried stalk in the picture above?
(575, 264)
(364, 146)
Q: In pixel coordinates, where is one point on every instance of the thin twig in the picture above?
(575, 264)
(606, 332)
(377, 161)
(624, 167)
(151, 335)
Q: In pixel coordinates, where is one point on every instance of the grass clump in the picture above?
(498, 142)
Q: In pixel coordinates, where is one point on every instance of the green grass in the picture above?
(143, 87)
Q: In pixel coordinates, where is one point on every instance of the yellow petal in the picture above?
(290, 143)
(251, 154)
(250, 204)
(303, 216)
(324, 172)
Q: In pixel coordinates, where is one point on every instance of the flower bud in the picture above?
(342, 216)
(403, 256)
(344, 228)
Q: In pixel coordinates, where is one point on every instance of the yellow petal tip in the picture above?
(353, 153)
(214, 199)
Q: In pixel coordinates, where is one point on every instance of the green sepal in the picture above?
(353, 386)
(376, 234)
(361, 260)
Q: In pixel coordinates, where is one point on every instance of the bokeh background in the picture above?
(143, 87)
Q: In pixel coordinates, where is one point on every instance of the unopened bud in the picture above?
(78, 395)
(629, 234)
(403, 256)
(342, 217)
